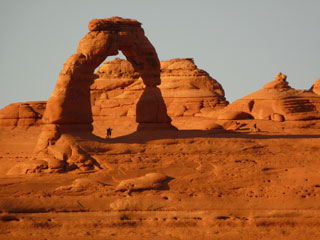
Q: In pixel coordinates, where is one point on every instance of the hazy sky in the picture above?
(243, 44)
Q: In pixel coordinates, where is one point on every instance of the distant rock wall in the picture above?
(276, 101)
(22, 115)
(186, 90)
(316, 87)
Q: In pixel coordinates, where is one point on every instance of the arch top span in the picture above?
(114, 23)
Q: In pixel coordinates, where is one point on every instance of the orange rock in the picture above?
(189, 91)
(279, 82)
(234, 115)
(149, 181)
(22, 115)
(277, 101)
(70, 101)
(186, 90)
(316, 87)
(70, 108)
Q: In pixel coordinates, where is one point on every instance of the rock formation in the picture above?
(316, 87)
(189, 91)
(70, 101)
(22, 114)
(68, 111)
(186, 90)
(276, 101)
(149, 181)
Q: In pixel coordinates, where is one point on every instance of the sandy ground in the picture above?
(222, 185)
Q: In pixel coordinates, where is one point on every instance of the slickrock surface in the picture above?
(276, 101)
(223, 184)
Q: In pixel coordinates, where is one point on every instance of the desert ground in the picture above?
(222, 184)
(182, 163)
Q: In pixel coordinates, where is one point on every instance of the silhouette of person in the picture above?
(109, 131)
(255, 129)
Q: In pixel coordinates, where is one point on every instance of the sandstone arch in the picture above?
(70, 101)
(69, 108)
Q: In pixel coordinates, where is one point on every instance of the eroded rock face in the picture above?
(277, 101)
(70, 101)
(186, 90)
(280, 82)
(316, 87)
(68, 110)
(22, 115)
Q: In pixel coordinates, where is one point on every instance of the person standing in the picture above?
(109, 132)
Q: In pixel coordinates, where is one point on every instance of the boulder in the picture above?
(279, 82)
(277, 117)
(149, 181)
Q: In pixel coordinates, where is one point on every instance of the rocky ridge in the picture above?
(276, 101)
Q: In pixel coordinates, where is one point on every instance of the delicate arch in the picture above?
(70, 101)
(68, 115)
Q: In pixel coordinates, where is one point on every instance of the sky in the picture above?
(242, 44)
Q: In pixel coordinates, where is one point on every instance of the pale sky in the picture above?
(243, 44)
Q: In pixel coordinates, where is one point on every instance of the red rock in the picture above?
(278, 99)
(279, 82)
(22, 115)
(70, 104)
(189, 91)
(70, 101)
(186, 90)
(151, 102)
(114, 23)
(277, 117)
(234, 115)
(149, 181)
(316, 87)
(10, 112)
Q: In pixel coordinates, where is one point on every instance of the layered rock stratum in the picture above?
(22, 115)
(186, 90)
(276, 101)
